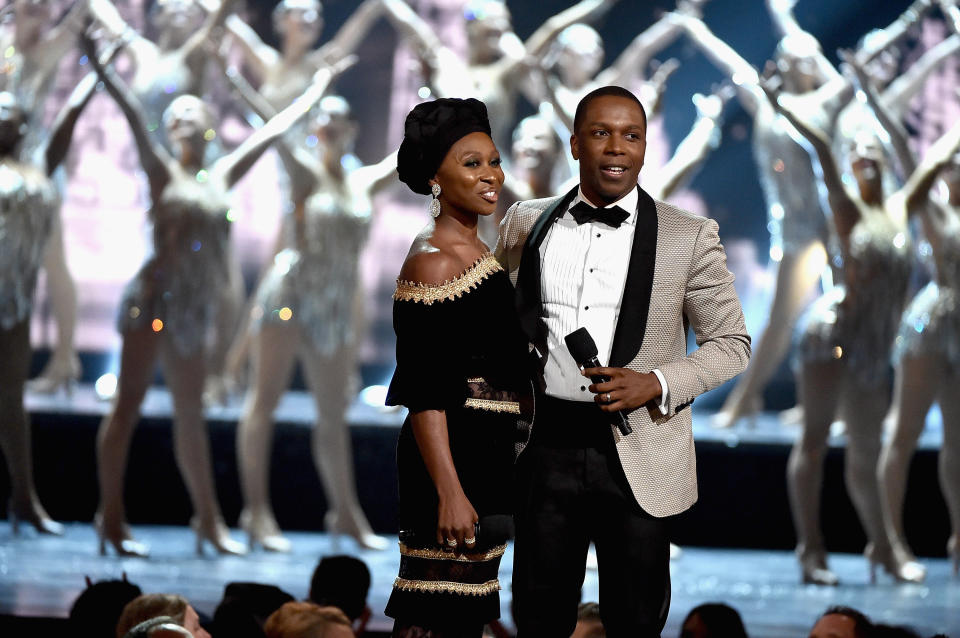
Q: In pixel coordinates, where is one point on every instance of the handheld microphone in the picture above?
(584, 350)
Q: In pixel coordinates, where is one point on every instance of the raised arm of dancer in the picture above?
(63, 126)
(952, 12)
(917, 188)
(653, 39)
(412, 28)
(196, 44)
(60, 39)
(235, 165)
(135, 45)
(154, 159)
(257, 54)
(692, 151)
(351, 34)
(744, 77)
(375, 177)
(892, 34)
(584, 11)
(900, 92)
(297, 162)
(846, 212)
(781, 12)
(899, 138)
(651, 91)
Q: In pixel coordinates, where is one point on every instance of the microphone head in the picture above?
(581, 345)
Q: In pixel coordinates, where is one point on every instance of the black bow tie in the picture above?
(613, 216)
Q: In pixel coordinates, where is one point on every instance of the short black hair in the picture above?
(614, 91)
(861, 624)
(341, 581)
(719, 618)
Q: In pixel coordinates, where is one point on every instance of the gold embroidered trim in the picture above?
(490, 405)
(439, 554)
(463, 283)
(443, 586)
(477, 380)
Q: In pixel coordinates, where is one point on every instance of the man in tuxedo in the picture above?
(635, 272)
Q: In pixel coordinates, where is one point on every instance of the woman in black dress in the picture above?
(461, 372)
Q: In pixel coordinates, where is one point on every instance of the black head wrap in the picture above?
(430, 130)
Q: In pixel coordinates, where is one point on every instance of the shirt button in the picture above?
(591, 270)
(598, 234)
(586, 307)
(583, 388)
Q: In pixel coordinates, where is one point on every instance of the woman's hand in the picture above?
(456, 522)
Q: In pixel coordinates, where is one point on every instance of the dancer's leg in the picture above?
(15, 428)
(864, 407)
(274, 348)
(219, 383)
(819, 384)
(329, 378)
(950, 460)
(917, 380)
(797, 276)
(64, 365)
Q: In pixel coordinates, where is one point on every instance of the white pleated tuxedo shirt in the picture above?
(583, 273)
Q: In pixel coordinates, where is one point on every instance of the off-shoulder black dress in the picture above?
(460, 349)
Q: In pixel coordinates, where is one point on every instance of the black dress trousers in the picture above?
(571, 490)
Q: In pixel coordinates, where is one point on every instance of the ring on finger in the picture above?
(609, 400)
(470, 541)
(451, 542)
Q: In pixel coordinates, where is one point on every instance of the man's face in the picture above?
(610, 144)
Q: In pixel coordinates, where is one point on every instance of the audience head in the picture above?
(245, 608)
(149, 606)
(892, 631)
(713, 620)
(589, 624)
(307, 620)
(841, 622)
(342, 582)
(159, 627)
(98, 607)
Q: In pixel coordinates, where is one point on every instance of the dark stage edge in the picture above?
(42, 575)
(741, 471)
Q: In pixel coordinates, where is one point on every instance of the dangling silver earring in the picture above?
(435, 203)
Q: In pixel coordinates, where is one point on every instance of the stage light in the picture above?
(374, 395)
(105, 386)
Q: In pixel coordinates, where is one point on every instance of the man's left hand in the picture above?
(626, 389)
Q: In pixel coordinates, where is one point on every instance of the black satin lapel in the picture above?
(635, 305)
(528, 278)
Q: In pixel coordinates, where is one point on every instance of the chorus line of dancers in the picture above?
(183, 305)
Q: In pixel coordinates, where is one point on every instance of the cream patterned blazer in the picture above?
(677, 277)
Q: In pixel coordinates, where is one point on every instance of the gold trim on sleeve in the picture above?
(490, 405)
(439, 554)
(446, 587)
(448, 290)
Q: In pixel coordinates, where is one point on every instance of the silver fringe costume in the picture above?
(181, 282)
(316, 284)
(28, 206)
(931, 323)
(858, 320)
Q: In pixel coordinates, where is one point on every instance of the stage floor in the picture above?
(42, 575)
